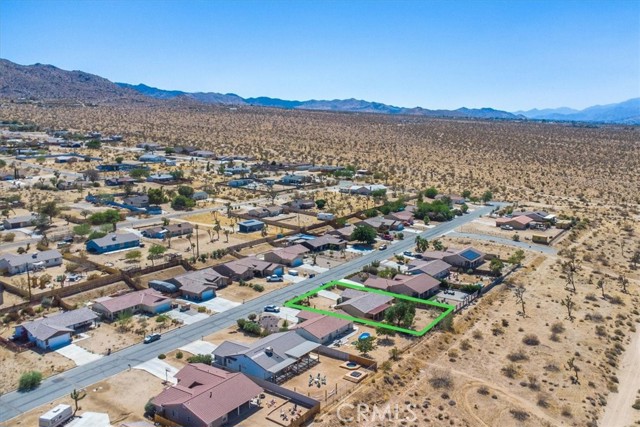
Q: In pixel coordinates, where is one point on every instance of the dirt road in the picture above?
(619, 412)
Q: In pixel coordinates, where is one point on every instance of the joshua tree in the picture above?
(226, 234)
(624, 282)
(519, 294)
(422, 244)
(570, 305)
(77, 395)
(600, 286)
(570, 267)
(571, 366)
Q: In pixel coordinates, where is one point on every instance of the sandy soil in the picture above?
(15, 364)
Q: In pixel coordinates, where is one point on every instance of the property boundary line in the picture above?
(448, 309)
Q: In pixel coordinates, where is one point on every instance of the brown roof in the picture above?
(322, 326)
(147, 297)
(208, 393)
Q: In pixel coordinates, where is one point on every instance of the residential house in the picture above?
(382, 225)
(520, 222)
(199, 285)
(149, 146)
(18, 222)
(116, 167)
(466, 258)
(248, 268)
(171, 230)
(538, 216)
(323, 329)
(263, 212)
(15, 264)
(418, 286)
(140, 201)
(146, 301)
(114, 182)
(55, 331)
(454, 198)
(113, 242)
(436, 268)
(184, 149)
(250, 225)
(273, 358)
(403, 217)
(364, 305)
(78, 184)
(344, 232)
(66, 159)
(152, 158)
(291, 179)
(206, 396)
(302, 204)
(365, 190)
(236, 170)
(161, 178)
(200, 195)
(205, 154)
(236, 183)
(291, 256)
(326, 242)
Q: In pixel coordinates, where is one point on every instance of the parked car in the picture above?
(506, 227)
(407, 253)
(271, 308)
(382, 247)
(387, 237)
(274, 278)
(293, 272)
(151, 338)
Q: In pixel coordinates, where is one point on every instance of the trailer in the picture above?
(56, 416)
(324, 216)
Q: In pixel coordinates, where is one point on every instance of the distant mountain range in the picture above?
(627, 112)
(46, 82)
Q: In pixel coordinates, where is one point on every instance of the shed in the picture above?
(250, 226)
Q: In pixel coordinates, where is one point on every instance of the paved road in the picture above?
(14, 403)
(508, 242)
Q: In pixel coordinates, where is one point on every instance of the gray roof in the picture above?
(20, 219)
(18, 260)
(366, 302)
(286, 348)
(47, 327)
(431, 268)
(114, 238)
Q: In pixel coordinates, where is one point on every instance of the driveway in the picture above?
(199, 347)
(292, 279)
(315, 268)
(549, 250)
(217, 304)
(79, 355)
(159, 368)
(288, 314)
(187, 317)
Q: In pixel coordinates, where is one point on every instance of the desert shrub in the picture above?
(517, 356)
(531, 339)
(202, 309)
(551, 367)
(241, 323)
(591, 297)
(543, 400)
(519, 415)
(510, 370)
(533, 383)
(29, 380)
(636, 405)
(441, 379)
(616, 300)
(601, 331)
(179, 355)
(477, 335)
(557, 328)
(497, 330)
(200, 358)
(162, 356)
(566, 412)
(9, 237)
(483, 390)
(465, 345)
(555, 337)
(258, 288)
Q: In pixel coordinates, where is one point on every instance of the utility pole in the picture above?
(28, 281)
(197, 241)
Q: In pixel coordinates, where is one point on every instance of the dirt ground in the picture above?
(15, 364)
(107, 396)
(237, 293)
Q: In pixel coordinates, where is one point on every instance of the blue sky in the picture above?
(508, 55)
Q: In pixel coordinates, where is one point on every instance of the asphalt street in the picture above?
(14, 403)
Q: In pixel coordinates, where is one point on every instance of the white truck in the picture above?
(56, 416)
(325, 216)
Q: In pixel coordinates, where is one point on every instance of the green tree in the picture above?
(177, 174)
(50, 209)
(156, 196)
(516, 258)
(96, 234)
(110, 216)
(364, 233)
(364, 346)
(386, 335)
(431, 192)
(82, 230)
(496, 265)
(487, 196)
(94, 144)
(139, 173)
(422, 244)
(155, 251)
(77, 395)
(29, 380)
(186, 191)
(466, 194)
(401, 313)
(437, 245)
(321, 203)
(133, 255)
(119, 160)
(182, 202)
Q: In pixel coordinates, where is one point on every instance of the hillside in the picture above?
(46, 82)
(627, 112)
